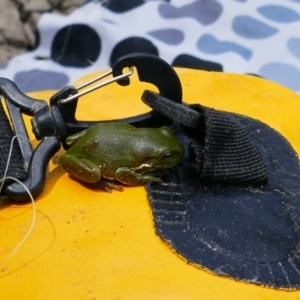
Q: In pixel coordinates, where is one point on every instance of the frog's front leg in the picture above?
(72, 139)
(80, 168)
(130, 177)
(86, 171)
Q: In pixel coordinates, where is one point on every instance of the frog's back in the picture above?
(124, 143)
(112, 133)
(125, 135)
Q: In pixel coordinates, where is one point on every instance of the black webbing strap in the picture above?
(244, 232)
(224, 153)
(16, 168)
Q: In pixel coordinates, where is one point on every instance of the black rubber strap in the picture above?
(16, 165)
(224, 153)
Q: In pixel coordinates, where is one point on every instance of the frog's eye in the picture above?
(166, 156)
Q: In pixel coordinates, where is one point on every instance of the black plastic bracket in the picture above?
(150, 68)
(35, 161)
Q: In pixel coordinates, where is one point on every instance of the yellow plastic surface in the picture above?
(88, 244)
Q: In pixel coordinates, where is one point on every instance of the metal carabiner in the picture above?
(95, 87)
(150, 68)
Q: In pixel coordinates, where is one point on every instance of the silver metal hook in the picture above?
(95, 87)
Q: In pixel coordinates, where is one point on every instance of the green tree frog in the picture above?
(120, 152)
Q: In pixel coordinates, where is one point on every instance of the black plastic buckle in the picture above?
(53, 124)
(35, 161)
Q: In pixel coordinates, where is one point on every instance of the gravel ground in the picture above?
(18, 21)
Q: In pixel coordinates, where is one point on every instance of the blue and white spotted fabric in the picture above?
(259, 37)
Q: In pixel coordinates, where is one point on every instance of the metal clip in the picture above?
(93, 88)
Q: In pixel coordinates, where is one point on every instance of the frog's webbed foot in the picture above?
(107, 186)
(130, 177)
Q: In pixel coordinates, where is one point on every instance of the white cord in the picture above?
(33, 220)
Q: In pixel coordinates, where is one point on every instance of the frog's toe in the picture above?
(156, 179)
(107, 186)
(150, 178)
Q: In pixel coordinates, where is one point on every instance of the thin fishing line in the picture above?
(33, 220)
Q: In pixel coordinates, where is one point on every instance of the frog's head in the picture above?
(167, 150)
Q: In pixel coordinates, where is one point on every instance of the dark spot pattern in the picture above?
(278, 13)
(76, 45)
(189, 61)
(251, 28)
(207, 43)
(168, 36)
(121, 6)
(205, 12)
(40, 80)
(132, 45)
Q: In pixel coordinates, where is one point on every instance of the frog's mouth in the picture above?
(152, 165)
(145, 166)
